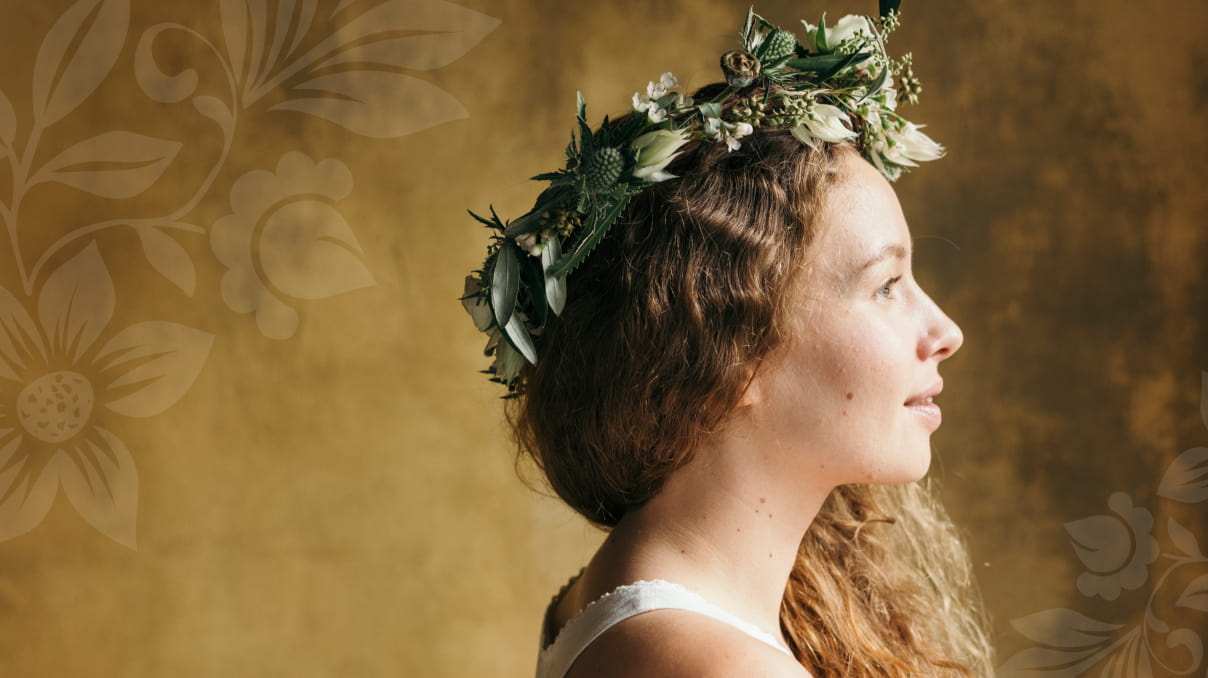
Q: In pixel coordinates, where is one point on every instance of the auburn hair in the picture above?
(664, 325)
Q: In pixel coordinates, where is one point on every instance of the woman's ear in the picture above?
(753, 393)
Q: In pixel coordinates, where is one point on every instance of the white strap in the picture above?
(621, 604)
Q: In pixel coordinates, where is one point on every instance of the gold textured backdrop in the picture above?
(241, 428)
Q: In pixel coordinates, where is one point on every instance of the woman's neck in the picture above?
(719, 526)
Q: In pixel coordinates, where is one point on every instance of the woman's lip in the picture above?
(930, 411)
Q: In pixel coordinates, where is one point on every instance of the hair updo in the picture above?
(666, 320)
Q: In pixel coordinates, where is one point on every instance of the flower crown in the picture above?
(837, 84)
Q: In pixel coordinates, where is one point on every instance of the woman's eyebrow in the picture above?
(890, 250)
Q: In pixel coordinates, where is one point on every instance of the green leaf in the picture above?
(594, 231)
(820, 36)
(517, 335)
(826, 65)
(585, 136)
(489, 224)
(889, 5)
(555, 287)
(875, 86)
(710, 110)
(505, 283)
(534, 284)
(747, 28)
(547, 176)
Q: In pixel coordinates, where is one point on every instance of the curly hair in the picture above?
(664, 327)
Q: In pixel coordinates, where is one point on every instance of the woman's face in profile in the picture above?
(847, 393)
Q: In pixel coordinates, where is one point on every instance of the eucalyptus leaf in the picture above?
(875, 86)
(889, 5)
(532, 275)
(517, 335)
(555, 286)
(710, 110)
(819, 63)
(505, 283)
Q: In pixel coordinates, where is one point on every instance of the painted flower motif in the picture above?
(284, 240)
(655, 151)
(1116, 549)
(60, 386)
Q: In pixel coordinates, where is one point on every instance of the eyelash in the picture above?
(886, 290)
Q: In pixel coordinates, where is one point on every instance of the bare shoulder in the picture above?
(672, 643)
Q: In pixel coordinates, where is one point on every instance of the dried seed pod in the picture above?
(740, 67)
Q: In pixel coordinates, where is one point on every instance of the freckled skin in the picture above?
(862, 323)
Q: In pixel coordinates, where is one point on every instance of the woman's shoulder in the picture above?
(670, 643)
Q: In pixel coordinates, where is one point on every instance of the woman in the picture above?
(737, 377)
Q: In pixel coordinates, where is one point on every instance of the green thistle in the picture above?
(778, 45)
(602, 169)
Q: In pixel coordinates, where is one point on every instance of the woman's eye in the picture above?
(886, 290)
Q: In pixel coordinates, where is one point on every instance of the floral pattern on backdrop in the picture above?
(64, 371)
(1121, 552)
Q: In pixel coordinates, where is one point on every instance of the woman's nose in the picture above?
(943, 336)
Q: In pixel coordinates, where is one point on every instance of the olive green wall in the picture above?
(242, 431)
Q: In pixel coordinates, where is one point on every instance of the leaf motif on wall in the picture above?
(76, 55)
(1195, 596)
(382, 103)
(1062, 627)
(115, 164)
(1183, 539)
(169, 258)
(234, 33)
(377, 104)
(439, 33)
(1186, 479)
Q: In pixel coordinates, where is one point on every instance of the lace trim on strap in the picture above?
(623, 602)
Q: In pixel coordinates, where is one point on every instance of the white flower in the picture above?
(728, 132)
(908, 146)
(648, 103)
(476, 304)
(850, 26)
(642, 103)
(825, 123)
(527, 241)
(655, 151)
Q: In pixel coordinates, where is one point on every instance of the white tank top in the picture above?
(555, 659)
